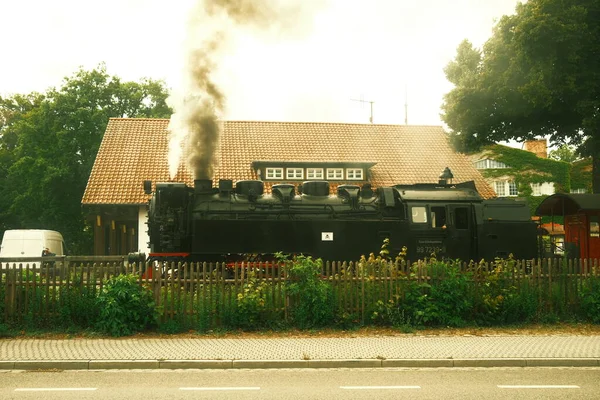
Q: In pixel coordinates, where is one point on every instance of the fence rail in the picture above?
(200, 294)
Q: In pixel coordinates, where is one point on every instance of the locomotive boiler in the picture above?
(229, 222)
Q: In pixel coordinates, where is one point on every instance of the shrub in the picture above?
(125, 307)
(251, 303)
(447, 300)
(390, 314)
(78, 305)
(311, 296)
(589, 296)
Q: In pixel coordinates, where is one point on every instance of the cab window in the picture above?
(419, 215)
(461, 218)
(438, 217)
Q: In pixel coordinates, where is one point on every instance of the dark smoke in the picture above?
(201, 111)
(197, 116)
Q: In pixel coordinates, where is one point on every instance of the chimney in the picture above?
(537, 147)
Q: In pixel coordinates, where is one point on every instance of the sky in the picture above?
(313, 67)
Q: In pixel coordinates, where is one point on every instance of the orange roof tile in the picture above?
(134, 150)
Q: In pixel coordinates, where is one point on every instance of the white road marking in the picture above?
(538, 387)
(53, 389)
(222, 388)
(378, 387)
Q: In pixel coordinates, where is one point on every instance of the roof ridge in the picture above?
(330, 123)
(139, 119)
(286, 122)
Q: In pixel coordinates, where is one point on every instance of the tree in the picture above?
(48, 144)
(564, 153)
(537, 76)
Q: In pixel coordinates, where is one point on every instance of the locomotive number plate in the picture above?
(327, 236)
(429, 246)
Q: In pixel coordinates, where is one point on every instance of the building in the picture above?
(134, 150)
(522, 173)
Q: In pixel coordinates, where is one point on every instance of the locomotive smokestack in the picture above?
(202, 185)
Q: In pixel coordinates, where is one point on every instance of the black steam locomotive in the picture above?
(205, 223)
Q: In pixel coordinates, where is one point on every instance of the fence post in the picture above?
(11, 283)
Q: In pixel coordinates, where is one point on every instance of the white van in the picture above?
(31, 243)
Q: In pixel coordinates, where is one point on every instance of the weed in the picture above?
(125, 306)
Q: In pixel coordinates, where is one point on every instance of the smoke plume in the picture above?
(195, 123)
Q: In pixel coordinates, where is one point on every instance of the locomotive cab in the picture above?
(440, 220)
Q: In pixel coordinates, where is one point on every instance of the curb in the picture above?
(270, 364)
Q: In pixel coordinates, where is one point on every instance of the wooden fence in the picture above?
(205, 294)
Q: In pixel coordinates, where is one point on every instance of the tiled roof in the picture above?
(134, 150)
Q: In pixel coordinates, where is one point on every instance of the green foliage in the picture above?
(529, 168)
(48, 144)
(391, 313)
(448, 298)
(312, 304)
(5, 331)
(537, 76)
(497, 299)
(125, 306)
(589, 296)
(78, 306)
(581, 175)
(431, 293)
(252, 303)
(170, 327)
(563, 153)
(32, 300)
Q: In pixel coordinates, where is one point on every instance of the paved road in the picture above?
(286, 384)
(381, 351)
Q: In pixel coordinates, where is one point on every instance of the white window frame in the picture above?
(354, 174)
(314, 173)
(513, 190)
(487, 163)
(579, 190)
(274, 173)
(506, 188)
(294, 173)
(335, 174)
(500, 188)
(536, 189)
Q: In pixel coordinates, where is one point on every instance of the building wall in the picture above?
(142, 228)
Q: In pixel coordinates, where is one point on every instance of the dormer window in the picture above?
(489, 164)
(294, 173)
(312, 170)
(354, 174)
(274, 173)
(314, 173)
(335, 174)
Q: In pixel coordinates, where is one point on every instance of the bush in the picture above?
(78, 306)
(125, 307)
(447, 300)
(590, 299)
(251, 303)
(311, 297)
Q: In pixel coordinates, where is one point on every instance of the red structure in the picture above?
(581, 216)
